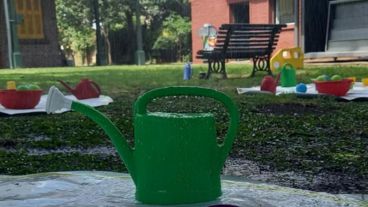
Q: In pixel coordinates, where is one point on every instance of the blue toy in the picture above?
(301, 88)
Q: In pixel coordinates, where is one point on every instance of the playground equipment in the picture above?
(208, 34)
(176, 158)
(293, 56)
(85, 89)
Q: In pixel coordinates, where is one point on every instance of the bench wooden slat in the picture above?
(252, 33)
(220, 41)
(251, 26)
(245, 36)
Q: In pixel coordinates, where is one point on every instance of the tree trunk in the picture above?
(105, 32)
(131, 35)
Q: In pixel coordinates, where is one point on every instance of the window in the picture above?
(239, 12)
(31, 26)
(284, 11)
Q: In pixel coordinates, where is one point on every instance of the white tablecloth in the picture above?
(41, 107)
(358, 91)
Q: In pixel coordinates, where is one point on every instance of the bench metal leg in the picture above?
(261, 63)
(216, 66)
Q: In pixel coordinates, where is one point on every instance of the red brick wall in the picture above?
(259, 11)
(286, 39)
(41, 53)
(217, 12)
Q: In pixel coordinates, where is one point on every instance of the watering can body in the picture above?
(85, 89)
(288, 76)
(176, 158)
(270, 84)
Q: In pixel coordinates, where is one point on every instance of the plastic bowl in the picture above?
(336, 88)
(13, 99)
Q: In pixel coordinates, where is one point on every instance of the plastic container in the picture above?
(365, 81)
(336, 88)
(13, 99)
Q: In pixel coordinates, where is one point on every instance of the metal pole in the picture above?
(139, 54)
(8, 34)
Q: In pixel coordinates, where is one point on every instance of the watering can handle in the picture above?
(140, 107)
(287, 66)
(96, 86)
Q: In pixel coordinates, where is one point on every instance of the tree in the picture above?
(175, 32)
(76, 25)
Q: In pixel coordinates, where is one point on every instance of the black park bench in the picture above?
(237, 41)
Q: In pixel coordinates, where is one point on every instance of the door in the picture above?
(348, 26)
(315, 25)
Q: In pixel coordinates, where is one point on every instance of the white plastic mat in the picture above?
(359, 91)
(41, 107)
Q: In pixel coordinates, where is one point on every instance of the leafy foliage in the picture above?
(175, 33)
(76, 23)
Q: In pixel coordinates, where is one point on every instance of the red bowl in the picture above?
(13, 99)
(336, 88)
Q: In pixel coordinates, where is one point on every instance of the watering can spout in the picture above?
(118, 140)
(71, 90)
(56, 102)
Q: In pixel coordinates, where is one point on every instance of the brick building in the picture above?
(37, 34)
(322, 28)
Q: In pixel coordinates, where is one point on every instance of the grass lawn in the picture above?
(284, 133)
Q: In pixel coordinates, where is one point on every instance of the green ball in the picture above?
(336, 78)
(22, 87)
(320, 78)
(33, 87)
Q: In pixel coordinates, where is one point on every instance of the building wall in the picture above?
(218, 12)
(215, 12)
(46, 52)
(259, 11)
(35, 53)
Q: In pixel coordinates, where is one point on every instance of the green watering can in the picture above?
(288, 76)
(176, 159)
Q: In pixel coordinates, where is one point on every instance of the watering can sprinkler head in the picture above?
(56, 101)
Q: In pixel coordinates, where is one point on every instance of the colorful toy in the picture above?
(288, 76)
(293, 56)
(176, 158)
(85, 89)
(20, 99)
(208, 34)
(11, 85)
(301, 88)
(336, 88)
(24, 96)
(365, 81)
(270, 84)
